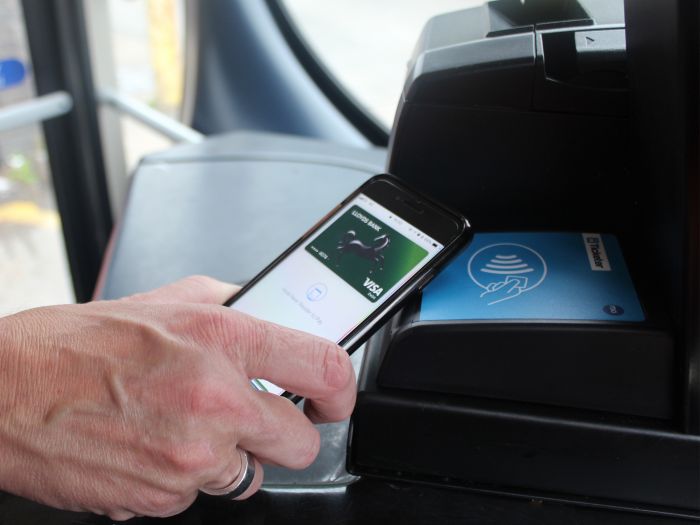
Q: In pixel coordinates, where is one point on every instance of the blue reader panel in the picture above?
(546, 275)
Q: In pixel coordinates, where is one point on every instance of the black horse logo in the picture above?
(349, 243)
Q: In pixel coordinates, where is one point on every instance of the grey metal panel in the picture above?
(272, 146)
(226, 217)
(35, 111)
(328, 470)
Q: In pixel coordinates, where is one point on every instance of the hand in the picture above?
(511, 287)
(129, 407)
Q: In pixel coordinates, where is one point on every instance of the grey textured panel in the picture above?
(227, 207)
(225, 219)
(328, 469)
(273, 146)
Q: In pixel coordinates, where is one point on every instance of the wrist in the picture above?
(10, 370)
(10, 353)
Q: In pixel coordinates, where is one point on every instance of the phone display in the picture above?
(347, 269)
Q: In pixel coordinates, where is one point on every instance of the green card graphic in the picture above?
(366, 253)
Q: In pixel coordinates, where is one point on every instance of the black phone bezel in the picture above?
(410, 205)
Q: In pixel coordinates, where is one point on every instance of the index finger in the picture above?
(192, 289)
(304, 364)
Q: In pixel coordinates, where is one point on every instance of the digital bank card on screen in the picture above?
(335, 280)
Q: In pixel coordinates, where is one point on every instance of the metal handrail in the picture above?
(155, 119)
(35, 110)
(59, 103)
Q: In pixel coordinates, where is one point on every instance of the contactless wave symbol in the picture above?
(507, 265)
(506, 270)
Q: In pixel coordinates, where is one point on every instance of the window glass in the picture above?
(366, 43)
(33, 265)
(147, 43)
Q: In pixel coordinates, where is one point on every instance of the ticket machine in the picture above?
(519, 369)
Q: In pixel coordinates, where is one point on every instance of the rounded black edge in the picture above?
(346, 104)
(462, 237)
(460, 222)
(466, 486)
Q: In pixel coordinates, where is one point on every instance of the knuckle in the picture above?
(255, 340)
(201, 282)
(255, 419)
(221, 329)
(249, 340)
(308, 451)
(160, 503)
(120, 515)
(207, 324)
(206, 396)
(211, 395)
(189, 459)
(182, 502)
(334, 366)
(346, 411)
(200, 325)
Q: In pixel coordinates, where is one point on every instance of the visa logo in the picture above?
(373, 287)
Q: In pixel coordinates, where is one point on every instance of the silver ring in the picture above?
(242, 481)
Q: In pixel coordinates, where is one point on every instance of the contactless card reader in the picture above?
(536, 363)
(529, 361)
(542, 317)
(535, 276)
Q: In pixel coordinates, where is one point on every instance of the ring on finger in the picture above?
(241, 482)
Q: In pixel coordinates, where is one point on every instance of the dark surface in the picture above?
(550, 137)
(58, 44)
(584, 365)
(366, 501)
(665, 81)
(516, 446)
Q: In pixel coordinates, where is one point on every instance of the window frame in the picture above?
(329, 85)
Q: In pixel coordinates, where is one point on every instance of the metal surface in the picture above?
(328, 470)
(155, 119)
(35, 110)
(227, 207)
(191, 70)
(59, 50)
(241, 482)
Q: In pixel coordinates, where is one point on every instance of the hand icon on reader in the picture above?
(511, 287)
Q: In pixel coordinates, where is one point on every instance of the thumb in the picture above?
(193, 289)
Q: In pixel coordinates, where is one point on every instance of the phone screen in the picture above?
(337, 278)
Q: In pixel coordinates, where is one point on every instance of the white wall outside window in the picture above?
(366, 43)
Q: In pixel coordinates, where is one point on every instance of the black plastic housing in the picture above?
(553, 120)
(626, 368)
(525, 449)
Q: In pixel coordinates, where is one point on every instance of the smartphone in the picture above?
(352, 270)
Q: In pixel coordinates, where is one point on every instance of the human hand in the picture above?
(509, 288)
(129, 407)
